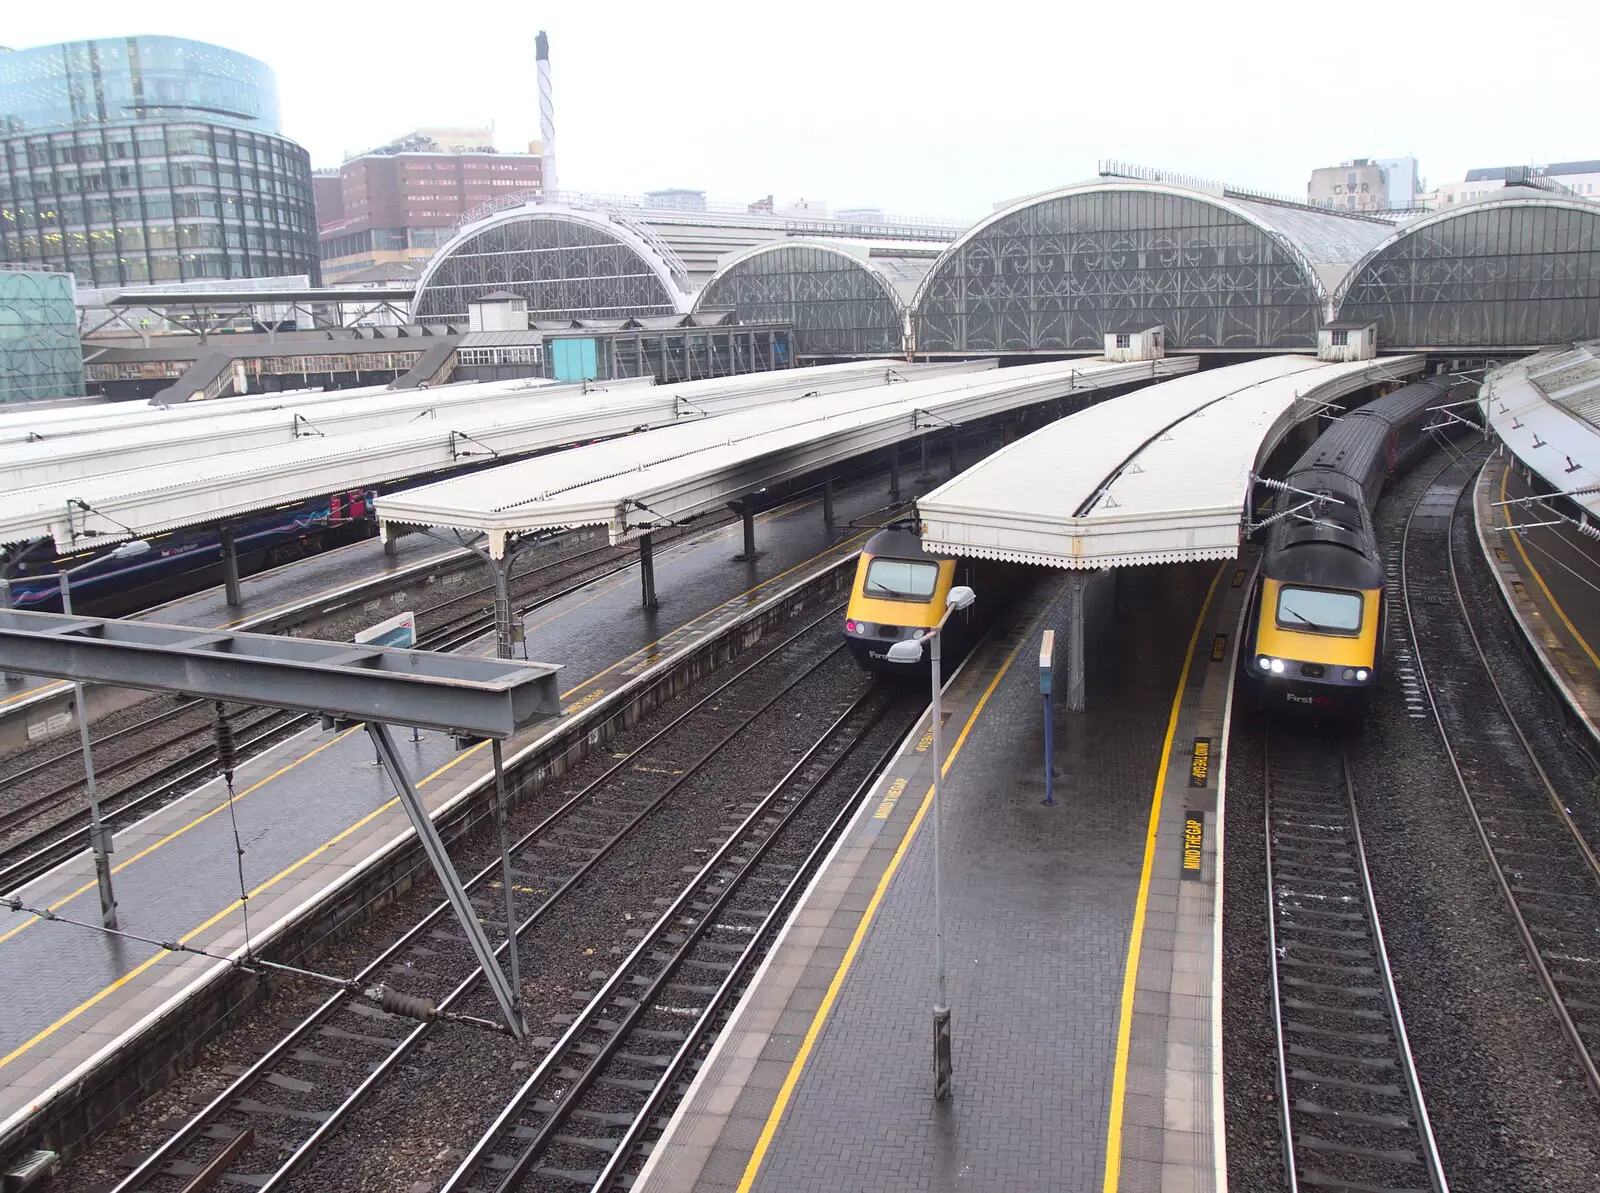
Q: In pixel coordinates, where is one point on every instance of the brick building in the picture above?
(398, 203)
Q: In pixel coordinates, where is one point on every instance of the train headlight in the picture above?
(1361, 674)
(1277, 666)
(850, 627)
(1264, 663)
(1349, 672)
(916, 635)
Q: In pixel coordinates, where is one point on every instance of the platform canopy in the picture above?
(1157, 476)
(214, 483)
(1546, 410)
(651, 480)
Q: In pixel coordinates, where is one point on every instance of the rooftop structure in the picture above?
(586, 256)
(1056, 272)
(210, 488)
(40, 354)
(1160, 476)
(634, 485)
(1511, 274)
(1546, 410)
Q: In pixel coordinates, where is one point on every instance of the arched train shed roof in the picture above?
(569, 263)
(842, 297)
(1493, 275)
(1057, 271)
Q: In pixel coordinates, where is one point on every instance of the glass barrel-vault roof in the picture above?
(567, 264)
(840, 299)
(1494, 275)
(1057, 272)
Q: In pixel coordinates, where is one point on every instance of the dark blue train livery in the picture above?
(184, 561)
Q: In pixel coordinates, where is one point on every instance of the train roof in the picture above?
(898, 542)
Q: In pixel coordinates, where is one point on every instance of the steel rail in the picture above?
(170, 1150)
(562, 1051)
(1530, 945)
(1335, 959)
(732, 987)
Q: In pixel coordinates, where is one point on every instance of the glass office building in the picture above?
(148, 160)
(40, 354)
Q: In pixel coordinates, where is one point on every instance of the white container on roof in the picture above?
(1158, 476)
(210, 488)
(636, 484)
(1546, 410)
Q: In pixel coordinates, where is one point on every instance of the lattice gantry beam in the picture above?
(465, 694)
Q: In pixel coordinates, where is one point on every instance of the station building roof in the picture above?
(645, 481)
(1055, 272)
(1157, 476)
(844, 297)
(1546, 410)
(1511, 272)
(216, 486)
(584, 257)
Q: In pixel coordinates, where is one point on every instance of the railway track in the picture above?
(349, 1052)
(602, 1090)
(1546, 870)
(31, 855)
(1351, 1107)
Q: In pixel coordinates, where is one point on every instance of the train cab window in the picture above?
(1319, 610)
(901, 579)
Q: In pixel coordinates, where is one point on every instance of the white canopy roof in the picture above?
(1546, 409)
(1151, 477)
(644, 481)
(212, 484)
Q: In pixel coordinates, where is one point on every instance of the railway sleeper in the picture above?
(1365, 1087)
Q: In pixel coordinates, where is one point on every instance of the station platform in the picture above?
(1083, 938)
(315, 809)
(1550, 578)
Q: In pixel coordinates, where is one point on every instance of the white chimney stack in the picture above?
(547, 114)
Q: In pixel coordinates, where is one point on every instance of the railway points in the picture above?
(314, 811)
(1083, 953)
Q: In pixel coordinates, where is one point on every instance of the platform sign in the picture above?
(400, 630)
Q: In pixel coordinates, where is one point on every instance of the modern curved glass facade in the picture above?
(1512, 274)
(1058, 273)
(134, 80)
(566, 268)
(148, 160)
(837, 303)
(40, 354)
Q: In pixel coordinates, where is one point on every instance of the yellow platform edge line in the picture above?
(786, 1091)
(1130, 976)
(1516, 539)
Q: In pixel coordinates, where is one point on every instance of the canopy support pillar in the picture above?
(894, 475)
(230, 569)
(1076, 582)
(747, 515)
(500, 570)
(827, 500)
(647, 572)
(445, 871)
(391, 540)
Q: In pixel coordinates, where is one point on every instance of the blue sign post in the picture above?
(1047, 666)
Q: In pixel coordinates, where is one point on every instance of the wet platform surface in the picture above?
(1550, 578)
(1083, 938)
(313, 809)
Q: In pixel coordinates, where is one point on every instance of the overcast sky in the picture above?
(918, 108)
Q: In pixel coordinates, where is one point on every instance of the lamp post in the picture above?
(99, 837)
(910, 651)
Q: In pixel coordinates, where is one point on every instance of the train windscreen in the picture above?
(1319, 610)
(901, 579)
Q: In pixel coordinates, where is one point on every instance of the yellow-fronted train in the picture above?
(1315, 626)
(900, 592)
